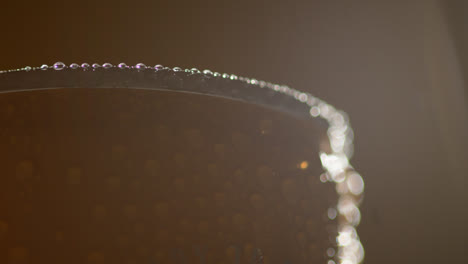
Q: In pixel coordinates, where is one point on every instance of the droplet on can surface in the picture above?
(122, 66)
(58, 66)
(74, 66)
(140, 66)
(107, 65)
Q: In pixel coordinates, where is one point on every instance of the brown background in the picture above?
(395, 66)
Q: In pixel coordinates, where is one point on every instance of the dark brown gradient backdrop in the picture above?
(392, 65)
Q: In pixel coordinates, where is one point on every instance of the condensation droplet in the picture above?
(85, 66)
(314, 111)
(44, 67)
(140, 66)
(195, 70)
(207, 72)
(58, 66)
(311, 101)
(177, 69)
(27, 68)
(158, 67)
(285, 89)
(107, 65)
(74, 66)
(355, 183)
(330, 252)
(303, 97)
(324, 177)
(122, 65)
(233, 77)
(331, 213)
(96, 65)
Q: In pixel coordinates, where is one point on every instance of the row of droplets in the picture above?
(335, 162)
(319, 108)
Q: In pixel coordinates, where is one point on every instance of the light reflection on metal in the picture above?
(334, 158)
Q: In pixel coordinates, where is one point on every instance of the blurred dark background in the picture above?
(398, 68)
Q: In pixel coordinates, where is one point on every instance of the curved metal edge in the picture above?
(334, 157)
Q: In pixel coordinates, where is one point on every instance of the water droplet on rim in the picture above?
(107, 65)
(314, 111)
(207, 72)
(140, 66)
(95, 65)
(216, 74)
(158, 67)
(44, 67)
(58, 66)
(74, 66)
(85, 66)
(284, 89)
(195, 70)
(27, 68)
(177, 69)
(122, 66)
(303, 97)
(233, 77)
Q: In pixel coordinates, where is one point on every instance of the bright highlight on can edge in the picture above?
(334, 155)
